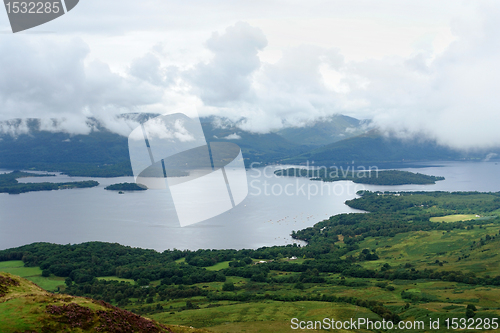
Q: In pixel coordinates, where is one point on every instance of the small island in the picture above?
(9, 183)
(369, 177)
(125, 187)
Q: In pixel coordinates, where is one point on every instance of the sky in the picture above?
(417, 69)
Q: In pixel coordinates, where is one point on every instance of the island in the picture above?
(9, 183)
(125, 187)
(370, 177)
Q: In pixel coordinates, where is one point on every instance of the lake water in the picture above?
(273, 208)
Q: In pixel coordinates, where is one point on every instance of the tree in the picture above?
(299, 285)
(469, 313)
(118, 296)
(228, 286)
(472, 307)
(143, 282)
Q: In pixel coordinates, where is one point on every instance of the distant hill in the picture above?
(263, 148)
(372, 147)
(326, 131)
(102, 153)
(25, 307)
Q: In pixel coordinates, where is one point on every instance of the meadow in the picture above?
(33, 274)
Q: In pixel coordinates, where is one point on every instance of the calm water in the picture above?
(147, 219)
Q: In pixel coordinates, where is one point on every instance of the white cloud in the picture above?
(41, 78)
(452, 98)
(278, 65)
(233, 136)
(227, 77)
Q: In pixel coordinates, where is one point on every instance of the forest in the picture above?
(125, 187)
(9, 183)
(371, 176)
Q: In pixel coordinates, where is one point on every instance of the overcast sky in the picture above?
(414, 67)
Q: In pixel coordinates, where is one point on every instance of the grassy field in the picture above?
(115, 278)
(33, 274)
(24, 307)
(218, 266)
(454, 218)
(266, 316)
(423, 248)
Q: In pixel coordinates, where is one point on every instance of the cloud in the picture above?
(227, 77)
(451, 98)
(233, 136)
(447, 94)
(44, 78)
(261, 96)
(149, 69)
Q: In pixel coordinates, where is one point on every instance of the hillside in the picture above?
(25, 307)
(372, 147)
(323, 132)
(102, 153)
(263, 148)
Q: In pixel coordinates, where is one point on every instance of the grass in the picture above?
(16, 267)
(266, 316)
(115, 278)
(218, 266)
(24, 309)
(11, 263)
(33, 274)
(421, 250)
(454, 218)
(48, 283)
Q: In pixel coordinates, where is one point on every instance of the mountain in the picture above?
(323, 132)
(102, 153)
(25, 307)
(262, 148)
(373, 147)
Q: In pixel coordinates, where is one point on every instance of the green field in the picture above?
(421, 250)
(454, 218)
(115, 278)
(218, 266)
(33, 274)
(266, 316)
(24, 307)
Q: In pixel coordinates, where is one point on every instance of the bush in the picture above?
(228, 286)
(299, 285)
(472, 307)
(143, 282)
